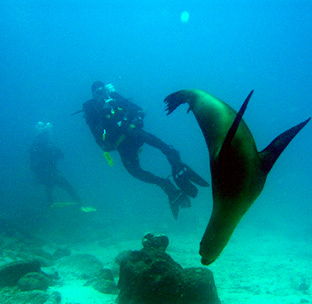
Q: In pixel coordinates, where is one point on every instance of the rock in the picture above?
(33, 281)
(119, 258)
(303, 286)
(39, 252)
(61, 253)
(7, 293)
(54, 298)
(20, 247)
(34, 297)
(103, 282)
(199, 286)
(44, 262)
(106, 274)
(12, 272)
(151, 276)
(158, 242)
(122, 255)
(82, 266)
(50, 273)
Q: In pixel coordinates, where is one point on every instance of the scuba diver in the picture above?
(117, 125)
(43, 163)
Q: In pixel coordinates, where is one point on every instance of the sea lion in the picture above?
(238, 170)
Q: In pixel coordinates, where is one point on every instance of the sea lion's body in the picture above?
(238, 170)
(237, 179)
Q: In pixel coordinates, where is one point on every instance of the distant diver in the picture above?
(43, 163)
(238, 170)
(117, 125)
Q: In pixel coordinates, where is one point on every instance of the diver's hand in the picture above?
(110, 88)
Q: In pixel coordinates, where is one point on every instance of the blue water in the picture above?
(51, 53)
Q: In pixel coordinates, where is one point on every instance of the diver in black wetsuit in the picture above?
(117, 124)
(43, 163)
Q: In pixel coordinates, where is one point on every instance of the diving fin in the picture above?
(87, 209)
(62, 205)
(176, 197)
(182, 200)
(183, 175)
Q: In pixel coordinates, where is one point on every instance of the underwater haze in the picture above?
(52, 52)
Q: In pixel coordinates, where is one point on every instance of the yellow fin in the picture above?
(61, 205)
(88, 209)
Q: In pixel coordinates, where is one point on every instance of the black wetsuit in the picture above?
(117, 125)
(43, 163)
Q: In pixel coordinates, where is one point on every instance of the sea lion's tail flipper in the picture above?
(231, 133)
(271, 153)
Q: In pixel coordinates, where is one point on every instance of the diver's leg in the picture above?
(132, 165)
(176, 197)
(64, 184)
(182, 174)
(152, 140)
(49, 194)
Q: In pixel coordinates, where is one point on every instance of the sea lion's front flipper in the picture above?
(271, 153)
(230, 135)
(174, 100)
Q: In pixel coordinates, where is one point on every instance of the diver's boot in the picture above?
(176, 197)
